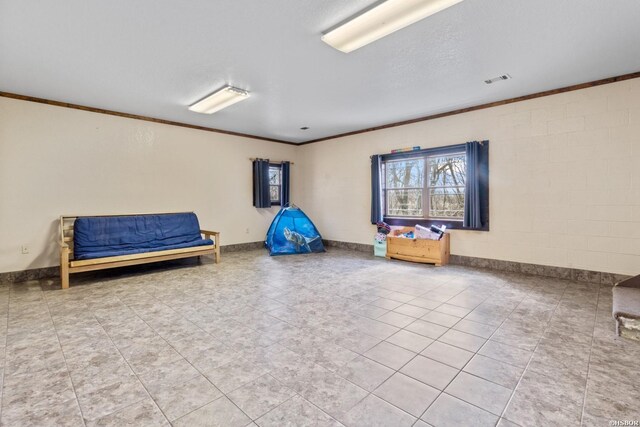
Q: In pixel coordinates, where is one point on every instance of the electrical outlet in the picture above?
(247, 230)
(25, 249)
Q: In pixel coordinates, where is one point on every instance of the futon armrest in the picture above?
(211, 233)
(215, 234)
(63, 245)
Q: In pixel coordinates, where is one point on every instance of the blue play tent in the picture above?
(292, 232)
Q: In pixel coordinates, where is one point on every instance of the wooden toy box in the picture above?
(418, 250)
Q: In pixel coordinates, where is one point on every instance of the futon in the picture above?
(106, 236)
(98, 242)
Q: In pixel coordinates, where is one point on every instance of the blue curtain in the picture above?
(476, 197)
(376, 205)
(261, 197)
(285, 190)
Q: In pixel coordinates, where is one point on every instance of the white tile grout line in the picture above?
(162, 302)
(169, 344)
(4, 361)
(452, 297)
(593, 333)
(441, 284)
(418, 354)
(288, 399)
(361, 354)
(532, 353)
(55, 330)
(398, 371)
(194, 367)
(475, 353)
(130, 368)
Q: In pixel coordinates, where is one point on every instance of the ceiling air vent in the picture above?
(497, 79)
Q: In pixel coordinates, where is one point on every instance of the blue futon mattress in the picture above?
(97, 237)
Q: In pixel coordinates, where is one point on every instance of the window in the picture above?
(433, 187)
(428, 187)
(275, 184)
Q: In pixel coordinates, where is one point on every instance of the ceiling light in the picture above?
(382, 20)
(218, 100)
(497, 79)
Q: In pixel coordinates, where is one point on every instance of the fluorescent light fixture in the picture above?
(218, 100)
(382, 20)
(497, 79)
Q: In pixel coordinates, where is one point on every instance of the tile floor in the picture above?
(334, 339)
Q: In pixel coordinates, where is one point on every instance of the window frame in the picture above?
(425, 190)
(425, 193)
(279, 167)
(424, 220)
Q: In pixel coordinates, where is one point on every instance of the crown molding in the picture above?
(483, 106)
(136, 117)
(571, 88)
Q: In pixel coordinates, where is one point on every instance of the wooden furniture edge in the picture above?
(443, 249)
(146, 260)
(212, 233)
(142, 255)
(216, 242)
(127, 214)
(416, 259)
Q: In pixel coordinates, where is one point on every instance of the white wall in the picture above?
(564, 178)
(57, 161)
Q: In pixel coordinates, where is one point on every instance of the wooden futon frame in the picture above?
(68, 265)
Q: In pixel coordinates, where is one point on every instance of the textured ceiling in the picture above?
(155, 57)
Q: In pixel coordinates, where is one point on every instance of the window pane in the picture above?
(445, 171)
(446, 202)
(405, 173)
(274, 176)
(404, 202)
(274, 192)
(428, 187)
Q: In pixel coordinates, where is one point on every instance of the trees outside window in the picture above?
(429, 187)
(275, 184)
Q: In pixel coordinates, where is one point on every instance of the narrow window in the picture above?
(275, 184)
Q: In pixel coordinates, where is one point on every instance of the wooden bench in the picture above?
(68, 265)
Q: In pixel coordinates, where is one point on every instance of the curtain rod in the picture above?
(427, 149)
(271, 161)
